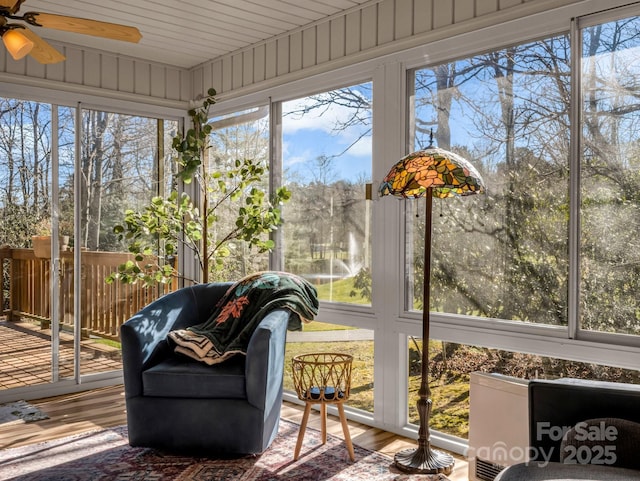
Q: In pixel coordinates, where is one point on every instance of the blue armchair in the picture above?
(178, 404)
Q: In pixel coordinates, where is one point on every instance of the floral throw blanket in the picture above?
(229, 328)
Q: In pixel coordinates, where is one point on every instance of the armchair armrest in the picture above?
(264, 367)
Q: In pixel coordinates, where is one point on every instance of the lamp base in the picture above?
(424, 460)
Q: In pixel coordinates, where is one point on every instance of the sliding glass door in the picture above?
(30, 246)
(64, 185)
(121, 167)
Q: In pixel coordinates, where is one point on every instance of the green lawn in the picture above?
(316, 326)
(339, 291)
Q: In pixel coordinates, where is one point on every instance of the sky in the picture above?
(307, 137)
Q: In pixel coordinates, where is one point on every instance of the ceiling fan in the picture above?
(20, 40)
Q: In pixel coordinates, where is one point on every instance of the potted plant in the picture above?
(41, 241)
(176, 219)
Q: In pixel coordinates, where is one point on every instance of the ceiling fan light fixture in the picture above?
(20, 40)
(17, 43)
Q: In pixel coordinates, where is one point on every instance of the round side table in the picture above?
(323, 378)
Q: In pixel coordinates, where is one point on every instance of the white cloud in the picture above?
(323, 120)
(362, 148)
(298, 158)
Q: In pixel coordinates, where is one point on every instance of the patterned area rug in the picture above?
(20, 412)
(106, 455)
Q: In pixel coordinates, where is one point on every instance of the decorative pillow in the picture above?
(604, 441)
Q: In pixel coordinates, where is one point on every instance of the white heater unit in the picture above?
(498, 424)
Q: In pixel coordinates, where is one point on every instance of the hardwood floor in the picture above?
(101, 408)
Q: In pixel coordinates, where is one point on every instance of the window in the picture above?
(120, 170)
(503, 254)
(238, 136)
(68, 308)
(25, 171)
(451, 365)
(507, 255)
(610, 178)
(326, 161)
(326, 144)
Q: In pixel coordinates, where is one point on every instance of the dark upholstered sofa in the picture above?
(178, 404)
(581, 430)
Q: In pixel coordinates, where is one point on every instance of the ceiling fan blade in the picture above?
(42, 51)
(84, 25)
(11, 6)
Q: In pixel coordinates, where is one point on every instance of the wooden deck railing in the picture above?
(104, 307)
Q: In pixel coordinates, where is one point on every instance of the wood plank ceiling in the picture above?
(187, 33)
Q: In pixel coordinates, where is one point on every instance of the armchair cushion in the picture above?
(179, 377)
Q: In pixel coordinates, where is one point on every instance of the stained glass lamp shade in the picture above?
(428, 173)
(445, 173)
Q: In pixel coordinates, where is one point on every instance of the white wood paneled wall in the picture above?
(103, 74)
(377, 28)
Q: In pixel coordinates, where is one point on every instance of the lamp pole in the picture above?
(423, 459)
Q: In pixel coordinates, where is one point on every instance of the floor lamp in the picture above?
(428, 173)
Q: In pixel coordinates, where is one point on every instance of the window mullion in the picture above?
(574, 184)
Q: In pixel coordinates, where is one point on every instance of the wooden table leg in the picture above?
(345, 429)
(303, 427)
(323, 414)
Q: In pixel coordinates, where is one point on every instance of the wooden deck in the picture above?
(25, 355)
(102, 408)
